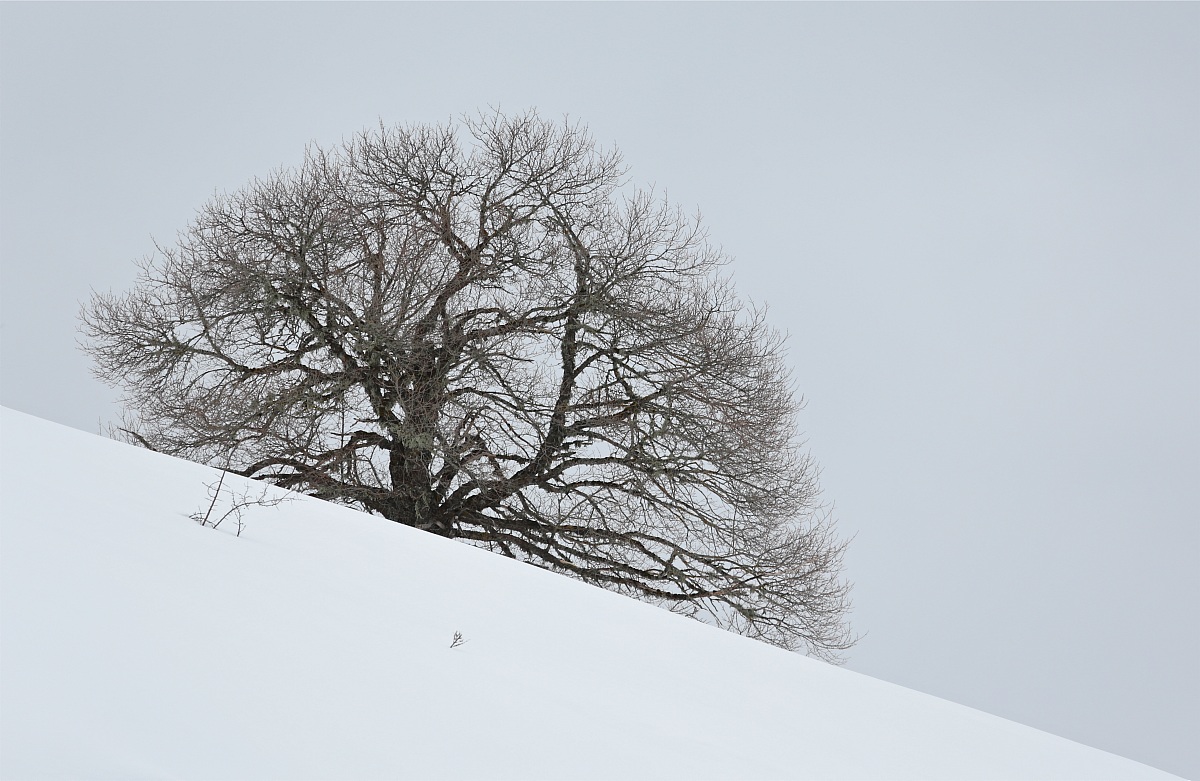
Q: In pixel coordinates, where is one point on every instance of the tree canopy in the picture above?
(484, 331)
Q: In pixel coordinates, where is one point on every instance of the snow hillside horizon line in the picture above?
(316, 642)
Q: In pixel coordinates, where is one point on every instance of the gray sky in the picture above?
(980, 224)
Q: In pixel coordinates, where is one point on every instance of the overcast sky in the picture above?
(979, 223)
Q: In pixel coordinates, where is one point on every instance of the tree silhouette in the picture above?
(501, 342)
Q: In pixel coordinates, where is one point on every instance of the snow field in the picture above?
(135, 643)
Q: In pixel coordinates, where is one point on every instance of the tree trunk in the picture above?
(412, 455)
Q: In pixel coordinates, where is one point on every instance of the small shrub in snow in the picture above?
(238, 504)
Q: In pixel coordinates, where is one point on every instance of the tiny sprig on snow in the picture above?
(457, 640)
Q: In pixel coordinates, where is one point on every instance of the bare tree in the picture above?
(500, 342)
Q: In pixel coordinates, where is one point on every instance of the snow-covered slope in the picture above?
(135, 643)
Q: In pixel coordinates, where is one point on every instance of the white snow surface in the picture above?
(135, 643)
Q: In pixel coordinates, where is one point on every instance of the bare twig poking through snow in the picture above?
(457, 640)
(238, 503)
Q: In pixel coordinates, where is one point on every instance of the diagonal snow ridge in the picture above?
(135, 643)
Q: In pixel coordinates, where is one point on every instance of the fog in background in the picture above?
(979, 223)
